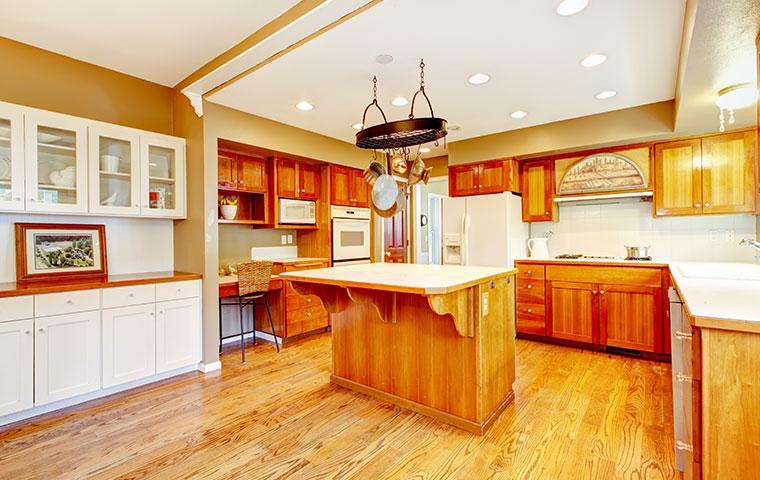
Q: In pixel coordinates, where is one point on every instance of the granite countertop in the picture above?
(401, 277)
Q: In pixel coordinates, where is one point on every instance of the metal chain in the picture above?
(374, 87)
(422, 73)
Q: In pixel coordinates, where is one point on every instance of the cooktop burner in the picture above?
(641, 259)
(574, 256)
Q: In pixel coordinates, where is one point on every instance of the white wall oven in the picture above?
(297, 212)
(350, 235)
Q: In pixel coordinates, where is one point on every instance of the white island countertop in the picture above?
(720, 295)
(401, 277)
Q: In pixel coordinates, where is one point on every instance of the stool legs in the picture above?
(220, 325)
(242, 330)
(271, 323)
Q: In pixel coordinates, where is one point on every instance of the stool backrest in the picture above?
(254, 276)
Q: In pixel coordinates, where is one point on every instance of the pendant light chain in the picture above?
(422, 73)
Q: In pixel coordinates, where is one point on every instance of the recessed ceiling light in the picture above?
(304, 105)
(478, 79)
(424, 150)
(454, 128)
(593, 60)
(519, 114)
(571, 7)
(605, 94)
(357, 126)
(400, 101)
(384, 59)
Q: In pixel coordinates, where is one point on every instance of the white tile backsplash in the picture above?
(605, 229)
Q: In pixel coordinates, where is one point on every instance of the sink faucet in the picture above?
(749, 243)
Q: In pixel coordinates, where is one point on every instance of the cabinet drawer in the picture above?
(126, 296)
(297, 302)
(306, 319)
(177, 290)
(531, 318)
(16, 308)
(66, 302)
(305, 265)
(530, 271)
(530, 291)
(623, 275)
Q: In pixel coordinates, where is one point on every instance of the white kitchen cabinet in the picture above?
(129, 344)
(178, 328)
(16, 366)
(11, 158)
(114, 170)
(162, 166)
(66, 356)
(55, 159)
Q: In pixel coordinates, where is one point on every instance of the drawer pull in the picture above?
(160, 312)
(41, 330)
(28, 332)
(601, 292)
(70, 301)
(302, 265)
(529, 272)
(308, 314)
(530, 310)
(684, 446)
(593, 292)
(131, 295)
(308, 300)
(683, 378)
(530, 286)
(683, 336)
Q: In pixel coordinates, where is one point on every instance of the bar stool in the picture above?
(253, 289)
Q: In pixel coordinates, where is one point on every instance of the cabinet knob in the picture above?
(530, 310)
(41, 330)
(70, 302)
(530, 286)
(32, 199)
(593, 292)
(546, 212)
(529, 272)
(28, 332)
(152, 314)
(707, 204)
(308, 300)
(131, 295)
(601, 292)
(697, 205)
(308, 314)
(160, 312)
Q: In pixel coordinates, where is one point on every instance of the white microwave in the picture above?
(297, 212)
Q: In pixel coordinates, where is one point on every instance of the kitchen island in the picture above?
(435, 339)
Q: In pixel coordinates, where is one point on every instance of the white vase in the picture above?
(228, 211)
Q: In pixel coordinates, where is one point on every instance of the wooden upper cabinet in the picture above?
(537, 192)
(572, 312)
(631, 317)
(678, 178)
(494, 176)
(252, 174)
(348, 187)
(227, 169)
(728, 173)
(308, 179)
(287, 178)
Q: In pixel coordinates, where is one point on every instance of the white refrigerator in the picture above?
(483, 230)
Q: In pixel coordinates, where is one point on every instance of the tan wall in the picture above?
(236, 241)
(440, 165)
(620, 126)
(42, 79)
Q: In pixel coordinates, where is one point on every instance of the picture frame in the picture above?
(47, 252)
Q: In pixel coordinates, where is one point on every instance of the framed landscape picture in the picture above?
(66, 252)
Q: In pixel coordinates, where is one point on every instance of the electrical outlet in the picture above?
(290, 239)
(730, 236)
(714, 236)
(284, 239)
(484, 304)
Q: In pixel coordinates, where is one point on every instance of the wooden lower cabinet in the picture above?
(573, 311)
(604, 305)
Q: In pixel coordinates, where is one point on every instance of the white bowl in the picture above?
(109, 163)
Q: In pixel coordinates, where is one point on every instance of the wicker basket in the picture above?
(254, 276)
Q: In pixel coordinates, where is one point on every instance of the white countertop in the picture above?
(656, 262)
(720, 295)
(401, 277)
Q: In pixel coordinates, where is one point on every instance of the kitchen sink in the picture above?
(723, 271)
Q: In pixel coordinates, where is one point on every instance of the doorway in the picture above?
(395, 238)
(427, 219)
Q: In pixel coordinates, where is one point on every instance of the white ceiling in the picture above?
(531, 54)
(159, 40)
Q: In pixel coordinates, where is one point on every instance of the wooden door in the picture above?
(678, 178)
(178, 330)
(252, 174)
(360, 190)
(492, 177)
(308, 176)
(66, 356)
(129, 344)
(728, 173)
(287, 178)
(537, 191)
(631, 317)
(572, 311)
(394, 238)
(227, 170)
(340, 186)
(16, 366)
(463, 180)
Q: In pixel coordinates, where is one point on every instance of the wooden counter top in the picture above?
(402, 277)
(12, 289)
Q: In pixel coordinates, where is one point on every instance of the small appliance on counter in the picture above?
(538, 248)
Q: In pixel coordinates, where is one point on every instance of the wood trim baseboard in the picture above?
(459, 422)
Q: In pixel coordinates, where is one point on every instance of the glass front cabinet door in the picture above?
(114, 166)
(11, 158)
(56, 163)
(162, 162)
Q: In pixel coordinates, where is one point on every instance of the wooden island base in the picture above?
(440, 355)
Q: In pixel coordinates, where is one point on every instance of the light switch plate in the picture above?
(290, 239)
(484, 303)
(284, 239)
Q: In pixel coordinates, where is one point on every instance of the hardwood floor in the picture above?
(577, 415)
